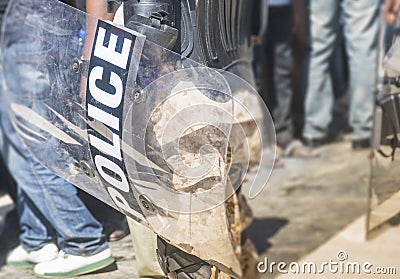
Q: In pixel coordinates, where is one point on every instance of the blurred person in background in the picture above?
(360, 33)
(60, 237)
(279, 68)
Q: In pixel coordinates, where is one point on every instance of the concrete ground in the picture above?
(311, 210)
(352, 256)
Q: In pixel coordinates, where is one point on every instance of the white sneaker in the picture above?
(21, 258)
(66, 265)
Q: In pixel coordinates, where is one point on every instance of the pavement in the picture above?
(348, 255)
(312, 210)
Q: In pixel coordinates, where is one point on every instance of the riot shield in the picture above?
(161, 138)
(384, 190)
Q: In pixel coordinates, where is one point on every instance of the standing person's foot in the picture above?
(314, 142)
(117, 235)
(21, 258)
(116, 229)
(66, 265)
(297, 149)
(359, 144)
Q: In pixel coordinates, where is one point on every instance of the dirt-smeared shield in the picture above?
(161, 138)
(384, 189)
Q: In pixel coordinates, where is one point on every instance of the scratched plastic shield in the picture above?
(156, 136)
(384, 188)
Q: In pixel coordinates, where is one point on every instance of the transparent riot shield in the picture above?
(161, 138)
(384, 187)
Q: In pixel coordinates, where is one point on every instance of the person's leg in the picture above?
(36, 231)
(79, 233)
(11, 229)
(361, 34)
(114, 222)
(145, 245)
(323, 20)
(280, 34)
(37, 237)
(267, 92)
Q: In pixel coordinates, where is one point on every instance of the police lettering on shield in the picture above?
(109, 65)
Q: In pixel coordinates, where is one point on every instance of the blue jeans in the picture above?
(360, 19)
(50, 209)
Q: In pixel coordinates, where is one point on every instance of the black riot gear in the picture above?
(213, 33)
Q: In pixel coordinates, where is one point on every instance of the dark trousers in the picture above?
(279, 71)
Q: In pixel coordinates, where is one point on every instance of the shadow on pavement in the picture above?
(109, 268)
(263, 229)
